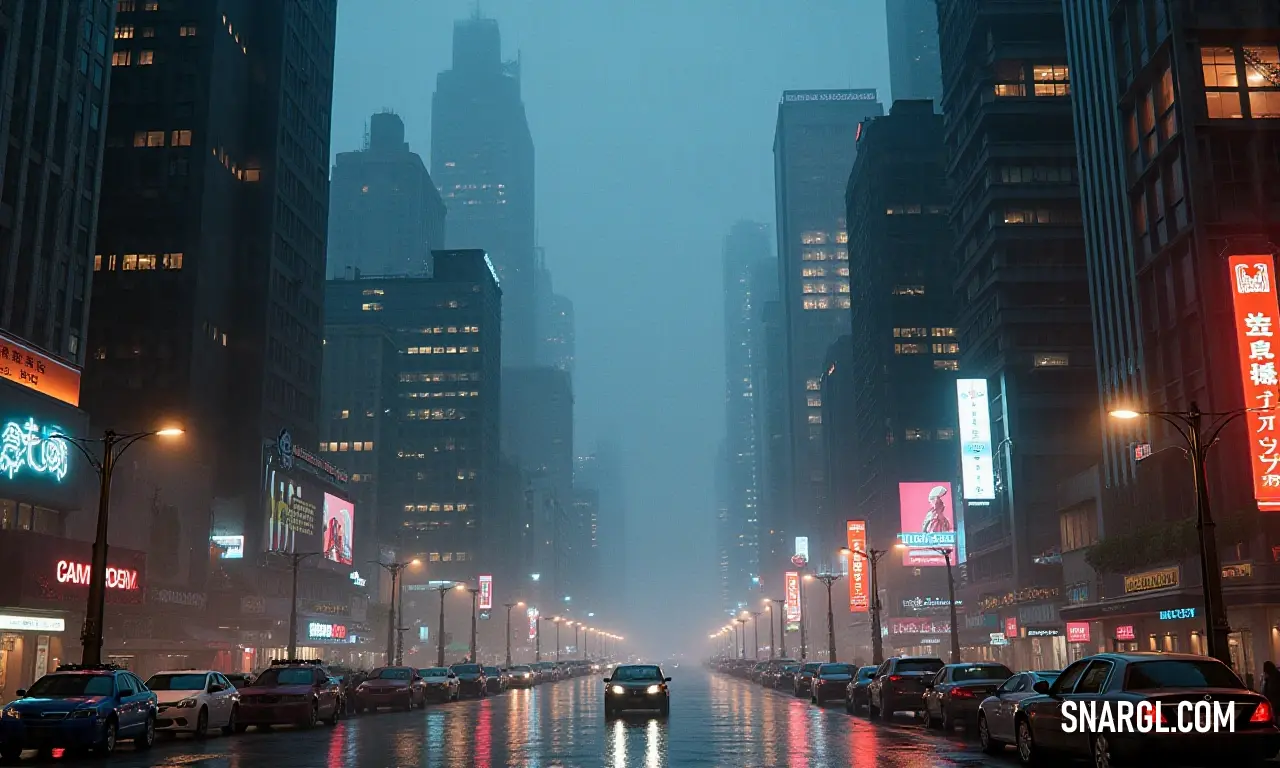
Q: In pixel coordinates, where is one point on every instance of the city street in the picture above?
(715, 721)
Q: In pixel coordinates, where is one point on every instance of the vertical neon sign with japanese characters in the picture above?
(1253, 290)
(793, 596)
(859, 594)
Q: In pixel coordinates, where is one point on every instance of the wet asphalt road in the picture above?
(715, 721)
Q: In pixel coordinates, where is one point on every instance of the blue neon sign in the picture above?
(1178, 613)
(28, 447)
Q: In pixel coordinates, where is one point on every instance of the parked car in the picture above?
(399, 687)
(193, 701)
(79, 707)
(995, 713)
(956, 691)
(829, 682)
(471, 680)
(291, 692)
(636, 687)
(1164, 678)
(802, 682)
(772, 668)
(522, 676)
(785, 677)
(239, 679)
(495, 679)
(899, 685)
(439, 684)
(855, 693)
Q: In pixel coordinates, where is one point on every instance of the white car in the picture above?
(439, 684)
(193, 701)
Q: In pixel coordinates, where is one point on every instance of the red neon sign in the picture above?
(486, 592)
(70, 572)
(1125, 632)
(859, 595)
(1077, 631)
(793, 596)
(1253, 292)
(1011, 627)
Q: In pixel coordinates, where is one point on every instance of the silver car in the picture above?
(995, 713)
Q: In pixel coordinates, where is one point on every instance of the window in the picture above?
(148, 139)
(813, 385)
(124, 32)
(252, 175)
(908, 290)
(908, 349)
(1052, 359)
(816, 287)
(1095, 678)
(909, 333)
(148, 32)
(129, 261)
(124, 6)
(146, 261)
(813, 272)
(1051, 80)
(1165, 101)
(180, 139)
(946, 433)
(1079, 529)
(1010, 78)
(814, 238)
(1262, 80)
(172, 261)
(1221, 82)
(914, 434)
(814, 401)
(815, 418)
(944, 332)
(373, 292)
(187, 30)
(121, 58)
(150, 5)
(371, 307)
(815, 254)
(146, 58)
(946, 365)
(946, 349)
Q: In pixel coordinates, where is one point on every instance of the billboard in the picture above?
(859, 588)
(802, 547)
(976, 456)
(486, 593)
(793, 596)
(232, 547)
(532, 613)
(928, 523)
(1253, 292)
(339, 529)
(920, 626)
(1078, 632)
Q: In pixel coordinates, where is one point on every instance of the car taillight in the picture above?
(1149, 717)
(894, 678)
(961, 693)
(1262, 714)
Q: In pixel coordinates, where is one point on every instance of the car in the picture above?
(439, 684)
(79, 707)
(636, 687)
(193, 701)
(995, 713)
(829, 682)
(546, 671)
(802, 681)
(239, 679)
(290, 692)
(785, 677)
(471, 680)
(496, 680)
(398, 687)
(855, 693)
(899, 685)
(956, 691)
(1169, 679)
(522, 676)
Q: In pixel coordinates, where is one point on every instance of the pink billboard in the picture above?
(928, 524)
(339, 527)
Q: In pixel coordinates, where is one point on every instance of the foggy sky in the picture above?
(653, 126)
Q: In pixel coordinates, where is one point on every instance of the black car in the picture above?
(636, 687)
(471, 680)
(802, 683)
(956, 691)
(899, 685)
(829, 682)
(855, 693)
(494, 681)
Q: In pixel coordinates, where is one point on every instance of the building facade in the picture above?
(915, 71)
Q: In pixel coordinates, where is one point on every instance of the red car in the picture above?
(399, 687)
(290, 693)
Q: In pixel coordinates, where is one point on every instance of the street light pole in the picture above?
(295, 560)
(395, 636)
(755, 627)
(769, 608)
(742, 634)
(442, 589)
(781, 602)
(475, 652)
(877, 642)
(830, 579)
(113, 447)
(509, 606)
(804, 618)
(557, 641)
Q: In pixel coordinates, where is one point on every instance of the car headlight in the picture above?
(617, 689)
(653, 689)
(524, 674)
(186, 703)
(85, 713)
(12, 714)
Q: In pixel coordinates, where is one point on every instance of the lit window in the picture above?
(121, 58)
(146, 58)
(842, 237)
(447, 557)
(371, 307)
(187, 30)
(173, 261)
(814, 254)
(814, 238)
(908, 290)
(917, 434)
(946, 349)
(944, 332)
(1051, 80)
(97, 263)
(368, 445)
(155, 138)
(434, 557)
(151, 5)
(816, 287)
(815, 418)
(908, 349)
(947, 434)
(180, 139)
(813, 272)
(129, 261)
(146, 261)
(946, 365)
(1052, 359)
(1010, 78)
(843, 302)
(814, 401)
(124, 6)
(124, 32)
(813, 385)
(344, 414)
(1221, 82)
(842, 271)
(343, 446)
(357, 446)
(909, 333)
(373, 292)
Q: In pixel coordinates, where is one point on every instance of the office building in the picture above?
(602, 470)
(385, 213)
(775, 454)
(482, 161)
(915, 72)
(556, 330)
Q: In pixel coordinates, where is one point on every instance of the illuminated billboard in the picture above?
(976, 461)
(928, 523)
(859, 591)
(793, 596)
(532, 613)
(802, 547)
(486, 593)
(232, 547)
(1253, 291)
(339, 529)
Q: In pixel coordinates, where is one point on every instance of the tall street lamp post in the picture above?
(781, 603)
(113, 447)
(475, 652)
(829, 579)
(557, 640)
(742, 635)
(873, 557)
(1189, 425)
(509, 606)
(951, 596)
(769, 609)
(395, 614)
(295, 560)
(443, 588)
(755, 627)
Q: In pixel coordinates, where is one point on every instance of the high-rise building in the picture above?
(723, 531)
(903, 356)
(556, 331)
(385, 213)
(775, 455)
(1024, 320)
(915, 71)
(482, 161)
(438, 479)
(814, 149)
(602, 470)
(211, 235)
(1176, 107)
(747, 257)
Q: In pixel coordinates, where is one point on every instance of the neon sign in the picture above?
(26, 446)
(486, 593)
(70, 572)
(321, 631)
(1256, 311)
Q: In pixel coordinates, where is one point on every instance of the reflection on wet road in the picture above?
(715, 721)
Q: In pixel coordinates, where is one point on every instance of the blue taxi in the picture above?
(79, 707)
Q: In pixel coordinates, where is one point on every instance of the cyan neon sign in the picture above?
(28, 447)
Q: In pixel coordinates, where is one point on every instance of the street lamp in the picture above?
(443, 588)
(113, 447)
(873, 557)
(475, 652)
(555, 620)
(829, 579)
(951, 595)
(395, 614)
(509, 606)
(755, 627)
(742, 634)
(781, 602)
(295, 560)
(769, 609)
(1188, 424)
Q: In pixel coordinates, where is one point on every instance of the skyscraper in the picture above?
(482, 161)
(556, 329)
(385, 213)
(747, 256)
(814, 149)
(915, 71)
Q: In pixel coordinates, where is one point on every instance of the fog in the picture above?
(653, 127)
